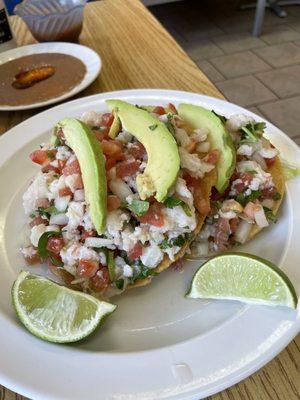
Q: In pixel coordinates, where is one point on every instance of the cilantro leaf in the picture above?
(269, 215)
(277, 196)
(172, 202)
(178, 241)
(221, 117)
(244, 199)
(169, 124)
(43, 240)
(153, 127)
(119, 284)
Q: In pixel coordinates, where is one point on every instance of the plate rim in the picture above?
(252, 366)
(49, 47)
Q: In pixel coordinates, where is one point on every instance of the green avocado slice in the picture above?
(92, 164)
(220, 139)
(163, 158)
(115, 126)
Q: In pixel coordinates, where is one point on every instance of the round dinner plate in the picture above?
(89, 57)
(157, 344)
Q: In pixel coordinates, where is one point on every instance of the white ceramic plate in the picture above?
(157, 345)
(89, 57)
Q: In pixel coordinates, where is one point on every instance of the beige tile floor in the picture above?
(261, 74)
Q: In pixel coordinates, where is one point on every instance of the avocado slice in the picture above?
(92, 164)
(199, 117)
(163, 158)
(115, 126)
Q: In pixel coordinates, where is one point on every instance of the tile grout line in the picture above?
(265, 85)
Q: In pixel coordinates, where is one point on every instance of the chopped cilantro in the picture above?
(169, 124)
(144, 272)
(222, 118)
(172, 201)
(153, 127)
(216, 203)
(47, 212)
(277, 196)
(50, 155)
(178, 241)
(244, 199)
(251, 132)
(42, 244)
(119, 284)
(269, 215)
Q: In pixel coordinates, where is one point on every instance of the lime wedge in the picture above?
(56, 313)
(243, 277)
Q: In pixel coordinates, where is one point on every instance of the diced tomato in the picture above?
(99, 135)
(113, 202)
(159, 110)
(78, 183)
(136, 251)
(192, 146)
(100, 281)
(246, 178)
(55, 244)
(212, 157)
(137, 150)
(49, 167)
(113, 149)
(268, 193)
(65, 191)
(107, 119)
(87, 234)
(172, 108)
(32, 259)
(72, 168)
(233, 224)
(110, 162)
(222, 233)
(270, 161)
(38, 220)
(127, 168)
(43, 203)
(190, 180)
(202, 205)
(43, 157)
(61, 165)
(154, 215)
(87, 268)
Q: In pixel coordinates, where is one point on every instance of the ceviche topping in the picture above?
(251, 196)
(140, 229)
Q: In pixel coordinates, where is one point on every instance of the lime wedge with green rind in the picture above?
(55, 313)
(243, 277)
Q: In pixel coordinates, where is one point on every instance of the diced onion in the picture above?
(203, 147)
(120, 189)
(259, 159)
(202, 248)
(242, 231)
(79, 195)
(52, 228)
(59, 219)
(61, 203)
(98, 242)
(260, 218)
(269, 203)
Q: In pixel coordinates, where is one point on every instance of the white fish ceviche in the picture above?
(139, 232)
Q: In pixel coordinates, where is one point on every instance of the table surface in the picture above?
(137, 52)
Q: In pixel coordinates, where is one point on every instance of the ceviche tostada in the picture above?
(252, 198)
(121, 195)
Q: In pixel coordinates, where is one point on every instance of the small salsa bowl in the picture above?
(52, 20)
